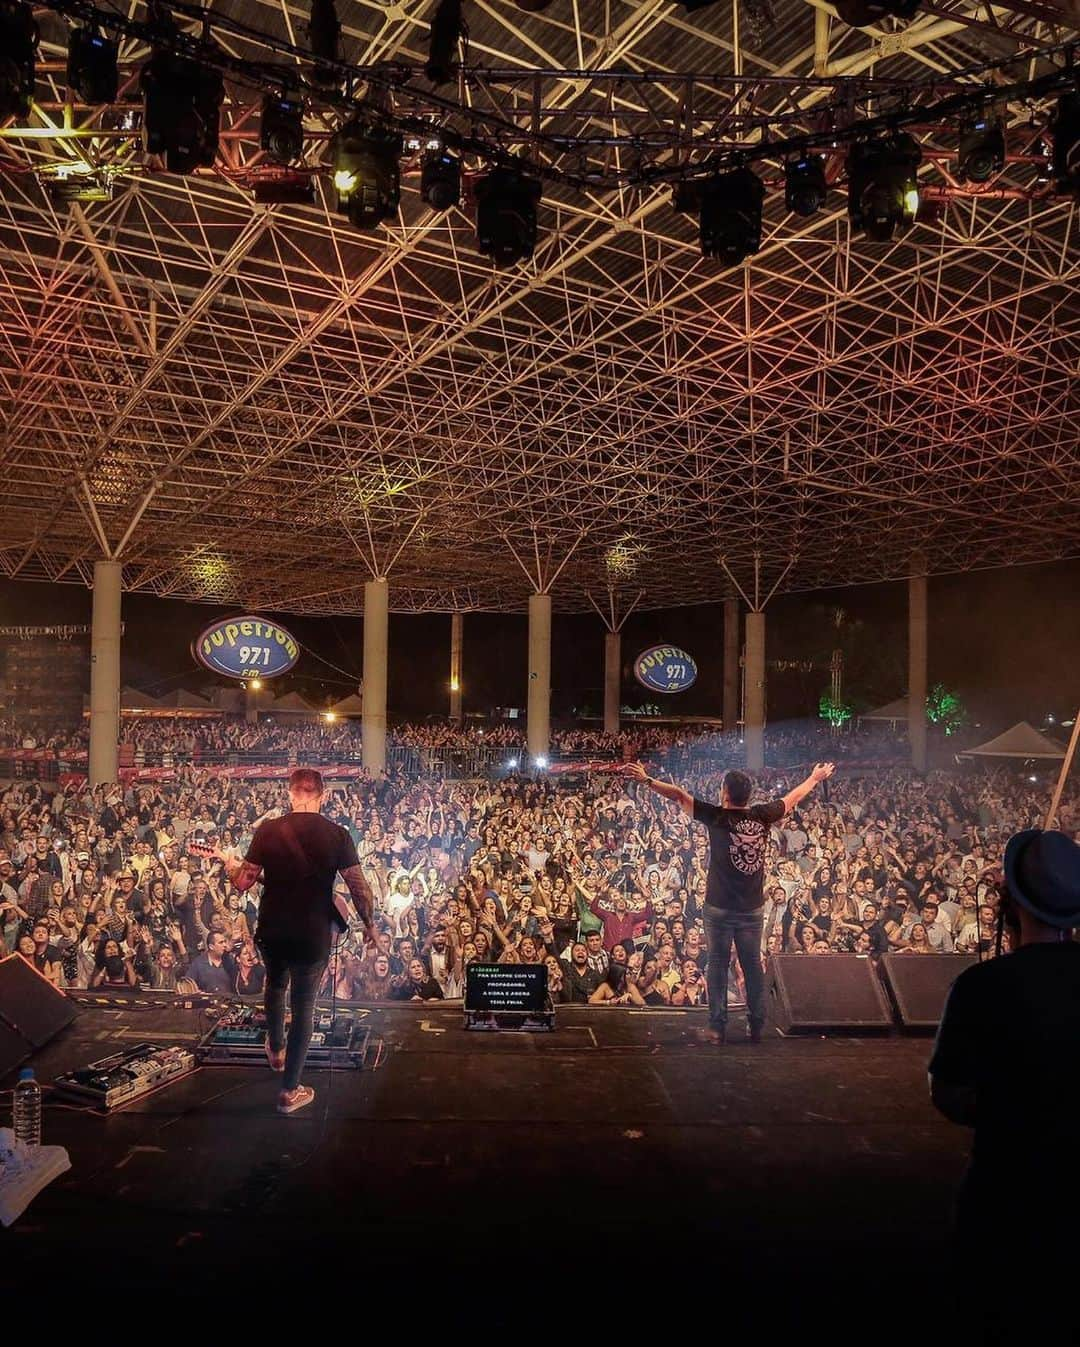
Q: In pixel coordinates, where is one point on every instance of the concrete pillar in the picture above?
(755, 692)
(376, 633)
(917, 645)
(456, 636)
(731, 665)
(105, 672)
(612, 680)
(538, 725)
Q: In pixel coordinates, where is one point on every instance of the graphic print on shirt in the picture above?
(747, 849)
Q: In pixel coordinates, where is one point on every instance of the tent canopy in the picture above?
(1022, 741)
(131, 699)
(893, 711)
(352, 705)
(292, 704)
(182, 700)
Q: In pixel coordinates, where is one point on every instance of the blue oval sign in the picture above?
(665, 668)
(242, 646)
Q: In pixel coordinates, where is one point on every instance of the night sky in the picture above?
(1007, 641)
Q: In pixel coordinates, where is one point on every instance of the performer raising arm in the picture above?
(734, 897)
(297, 856)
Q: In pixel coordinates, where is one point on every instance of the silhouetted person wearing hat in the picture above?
(1007, 1063)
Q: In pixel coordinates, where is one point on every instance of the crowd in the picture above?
(589, 873)
(170, 740)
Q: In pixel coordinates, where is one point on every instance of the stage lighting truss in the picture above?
(367, 176)
(506, 202)
(92, 71)
(181, 112)
(982, 150)
(281, 130)
(883, 187)
(18, 49)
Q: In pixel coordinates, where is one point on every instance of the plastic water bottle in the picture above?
(27, 1109)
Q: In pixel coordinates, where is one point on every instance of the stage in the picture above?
(614, 1169)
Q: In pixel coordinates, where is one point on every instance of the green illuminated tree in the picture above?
(945, 709)
(836, 712)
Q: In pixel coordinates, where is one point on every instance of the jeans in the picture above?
(744, 928)
(306, 979)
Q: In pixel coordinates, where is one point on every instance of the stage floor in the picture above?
(603, 1170)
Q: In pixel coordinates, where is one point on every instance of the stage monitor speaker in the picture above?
(31, 1011)
(919, 985)
(816, 992)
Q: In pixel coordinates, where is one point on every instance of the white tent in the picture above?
(894, 712)
(291, 703)
(352, 705)
(1022, 741)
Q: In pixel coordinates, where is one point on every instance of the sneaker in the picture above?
(276, 1059)
(717, 1037)
(753, 1033)
(291, 1100)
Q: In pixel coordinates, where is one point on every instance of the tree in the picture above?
(945, 709)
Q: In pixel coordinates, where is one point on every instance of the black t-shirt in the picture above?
(738, 839)
(1011, 1030)
(297, 906)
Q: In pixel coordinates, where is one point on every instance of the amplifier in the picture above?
(117, 1080)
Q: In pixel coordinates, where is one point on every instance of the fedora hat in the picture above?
(1042, 871)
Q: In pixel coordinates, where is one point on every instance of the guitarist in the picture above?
(297, 857)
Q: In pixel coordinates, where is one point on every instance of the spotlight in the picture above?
(982, 150)
(864, 13)
(541, 762)
(182, 107)
(506, 202)
(805, 187)
(91, 67)
(440, 179)
(18, 47)
(281, 132)
(324, 36)
(366, 173)
(1066, 158)
(731, 216)
(446, 29)
(512, 764)
(883, 187)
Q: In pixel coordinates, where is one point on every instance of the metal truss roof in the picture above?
(263, 406)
